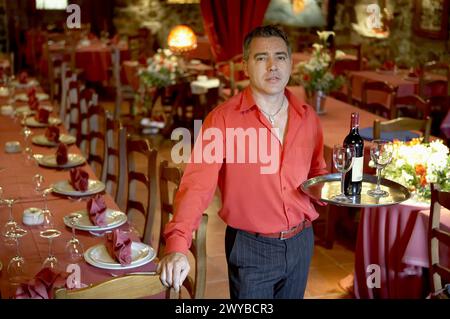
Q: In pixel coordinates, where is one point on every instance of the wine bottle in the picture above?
(353, 178)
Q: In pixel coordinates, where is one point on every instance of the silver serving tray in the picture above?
(325, 187)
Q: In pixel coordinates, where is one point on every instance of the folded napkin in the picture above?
(388, 65)
(79, 179)
(119, 246)
(31, 92)
(96, 208)
(61, 154)
(42, 285)
(33, 102)
(42, 115)
(367, 134)
(52, 133)
(23, 77)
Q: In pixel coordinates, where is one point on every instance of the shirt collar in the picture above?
(247, 101)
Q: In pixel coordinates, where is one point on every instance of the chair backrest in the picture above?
(429, 86)
(346, 63)
(87, 99)
(169, 181)
(124, 287)
(230, 73)
(111, 171)
(439, 274)
(415, 106)
(73, 111)
(95, 139)
(146, 179)
(345, 94)
(403, 124)
(386, 110)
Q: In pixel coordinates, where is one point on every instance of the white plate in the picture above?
(65, 188)
(43, 141)
(25, 85)
(23, 97)
(410, 78)
(114, 218)
(31, 122)
(98, 256)
(387, 72)
(23, 109)
(72, 160)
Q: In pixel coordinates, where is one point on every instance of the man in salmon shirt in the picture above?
(269, 239)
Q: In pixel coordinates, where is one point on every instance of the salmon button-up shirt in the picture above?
(258, 176)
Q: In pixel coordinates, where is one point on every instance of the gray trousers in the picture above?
(268, 268)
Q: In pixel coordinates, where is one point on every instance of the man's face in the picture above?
(268, 66)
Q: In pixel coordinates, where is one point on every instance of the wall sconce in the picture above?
(182, 39)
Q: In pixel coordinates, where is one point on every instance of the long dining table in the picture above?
(16, 179)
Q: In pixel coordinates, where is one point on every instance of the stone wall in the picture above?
(156, 15)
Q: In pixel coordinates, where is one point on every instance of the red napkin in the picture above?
(33, 102)
(52, 133)
(61, 154)
(79, 179)
(42, 115)
(388, 65)
(96, 208)
(119, 246)
(23, 77)
(42, 285)
(31, 92)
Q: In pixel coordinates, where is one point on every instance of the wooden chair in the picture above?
(412, 106)
(129, 150)
(87, 99)
(111, 170)
(439, 274)
(140, 44)
(123, 287)
(403, 124)
(347, 64)
(123, 91)
(231, 75)
(387, 110)
(170, 178)
(345, 94)
(434, 87)
(94, 139)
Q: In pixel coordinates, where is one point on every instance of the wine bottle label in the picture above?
(357, 169)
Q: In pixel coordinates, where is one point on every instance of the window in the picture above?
(51, 4)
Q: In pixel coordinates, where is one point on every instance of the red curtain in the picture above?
(227, 22)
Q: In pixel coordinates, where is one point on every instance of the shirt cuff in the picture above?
(176, 244)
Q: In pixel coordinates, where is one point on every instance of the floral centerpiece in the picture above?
(162, 69)
(415, 165)
(316, 73)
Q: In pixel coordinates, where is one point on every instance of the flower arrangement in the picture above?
(316, 73)
(162, 69)
(415, 165)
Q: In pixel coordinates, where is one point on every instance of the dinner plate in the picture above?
(65, 188)
(43, 141)
(25, 85)
(23, 109)
(31, 122)
(114, 218)
(23, 97)
(99, 257)
(411, 78)
(388, 72)
(72, 161)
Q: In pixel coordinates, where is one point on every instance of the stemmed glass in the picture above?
(51, 261)
(48, 217)
(10, 226)
(16, 267)
(38, 180)
(381, 155)
(74, 248)
(343, 157)
(26, 134)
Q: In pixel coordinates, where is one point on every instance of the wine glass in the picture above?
(343, 157)
(26, 134)
(38, 180)
(51, 261)
(16, 267)
(10, 226)
(74, 248)
(381, 155)
(47, 222)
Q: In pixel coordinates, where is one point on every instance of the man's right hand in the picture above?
(173, 270)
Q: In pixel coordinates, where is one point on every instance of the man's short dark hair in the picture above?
(266, 31)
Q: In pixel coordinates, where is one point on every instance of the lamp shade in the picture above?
(182, 39)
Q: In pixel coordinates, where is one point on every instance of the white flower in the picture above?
(323, 35)
(339, 54)
(317, 46)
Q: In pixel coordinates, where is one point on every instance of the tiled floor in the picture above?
(327, 268)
